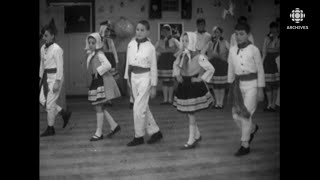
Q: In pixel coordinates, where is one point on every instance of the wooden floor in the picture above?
(69, 154)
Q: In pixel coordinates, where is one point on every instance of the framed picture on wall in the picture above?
(177, 29)
(78, 19)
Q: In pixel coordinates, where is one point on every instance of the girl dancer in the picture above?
(192, 94)
(166, 47)
(103, 87)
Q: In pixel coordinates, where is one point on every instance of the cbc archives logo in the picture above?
(297, 15)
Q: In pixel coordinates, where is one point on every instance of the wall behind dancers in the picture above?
(262, 13)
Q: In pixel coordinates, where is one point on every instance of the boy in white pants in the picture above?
(52, 95)
(141, 72)
(245, 72)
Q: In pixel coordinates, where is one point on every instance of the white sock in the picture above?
(192, 130)
(111, 121)
(99, 124)
(245, 144)
(51, 116)
(197, 134)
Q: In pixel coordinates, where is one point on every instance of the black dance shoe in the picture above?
(136, 141)
(113, 132)
(254, 132)
(189, 146)
(199, 139)
(109, 103)
(96, 138)
(48, 132)
(269, 109)
(155, 137)
(65, 116)
(242, 151)
(164, 103)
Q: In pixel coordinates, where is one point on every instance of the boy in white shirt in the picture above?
(245, 72)
(141, 72)
(233, 40)
(52, 95)
(203, 37)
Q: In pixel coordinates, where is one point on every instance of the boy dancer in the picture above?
(245, 72)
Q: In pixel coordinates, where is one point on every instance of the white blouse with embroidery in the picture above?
(198, 65)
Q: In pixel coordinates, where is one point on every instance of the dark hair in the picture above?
(104, 23)
(273, 25)
(201, 20)
(242, 19)
(145, 23)
(51, 28)
(243, 26)
(220, 29)
(166, 28)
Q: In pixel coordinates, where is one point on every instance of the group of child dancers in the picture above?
(194, 63)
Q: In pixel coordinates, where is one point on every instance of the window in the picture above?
(170, 5)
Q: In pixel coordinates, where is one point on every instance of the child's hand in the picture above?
(260, 94)
(117, 66)
(179, 79)
(56, 86)
(195, 79)
(153, 92)
(129, 84)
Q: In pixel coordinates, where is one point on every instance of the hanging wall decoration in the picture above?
(101, 9)
(199, 11)
(229, 11)
(143, 8)
(217, 3)
(248, 4)
(124, 28)
(111, 9)
(186, 9)
(155, 11)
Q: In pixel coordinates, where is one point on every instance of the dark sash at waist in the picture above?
(137, 69)
(247, 77)
(50, 71)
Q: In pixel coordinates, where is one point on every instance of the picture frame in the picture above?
(176, 27)
(78, 19)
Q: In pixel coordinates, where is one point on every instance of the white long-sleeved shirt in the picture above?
(197, 65)
(144, 57)
(233, 40)
(52, 57)
(247, 61)
(202, 40)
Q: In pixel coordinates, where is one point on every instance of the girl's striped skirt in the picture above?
(165, 66)
(272, 75)
(220, 76)
(102, 89)
(192, 97)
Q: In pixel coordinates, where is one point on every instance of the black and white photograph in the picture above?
(176, 29)
(160, 90)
